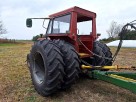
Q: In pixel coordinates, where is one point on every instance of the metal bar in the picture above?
(131, 75)
(107, 67)
(39, 18)
(120, 81)
(122, 78)
(82, 55)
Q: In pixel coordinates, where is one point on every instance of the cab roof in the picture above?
(80, 12)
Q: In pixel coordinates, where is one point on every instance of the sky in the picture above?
(14, 13)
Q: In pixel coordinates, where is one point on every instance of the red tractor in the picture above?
(56, 60)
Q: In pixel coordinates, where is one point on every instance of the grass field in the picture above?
(16, 85)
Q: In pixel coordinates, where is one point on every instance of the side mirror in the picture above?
(29, 22)
(98, 34)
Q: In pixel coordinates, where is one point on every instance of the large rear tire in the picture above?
(72, 63)
(101, 50)
(46, 67)
(104, 51)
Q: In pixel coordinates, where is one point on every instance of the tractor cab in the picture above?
(74, 24)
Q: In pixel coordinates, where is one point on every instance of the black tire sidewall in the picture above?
(40, 50)
(53, 64)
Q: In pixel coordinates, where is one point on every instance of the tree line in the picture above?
(115, 29)
(2, 29)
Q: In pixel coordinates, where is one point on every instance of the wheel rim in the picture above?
(38, 69)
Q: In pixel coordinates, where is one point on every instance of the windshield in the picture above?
(59, 25)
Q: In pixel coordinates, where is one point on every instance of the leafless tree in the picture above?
(114, 29)
(2, 29)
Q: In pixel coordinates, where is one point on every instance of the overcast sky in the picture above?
(13, 13)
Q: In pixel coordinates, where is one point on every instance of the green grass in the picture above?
(24, 41)
(17, 42)
(16, 84)
(7, 44)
